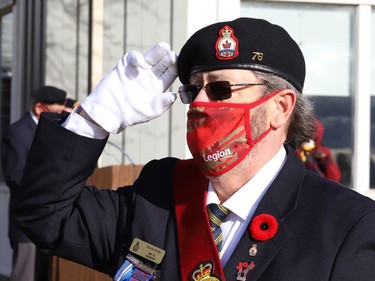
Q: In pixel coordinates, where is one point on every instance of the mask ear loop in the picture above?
(252, 105)
(263, 135)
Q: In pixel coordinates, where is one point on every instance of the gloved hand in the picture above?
(133, 92)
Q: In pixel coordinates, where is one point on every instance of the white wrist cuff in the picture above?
(79, 125)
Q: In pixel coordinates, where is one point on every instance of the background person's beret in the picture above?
(244, 43)
(49, 95)
(71, 103)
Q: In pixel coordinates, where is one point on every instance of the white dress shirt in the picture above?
(79, 125)
(33, 116)
(244, 203)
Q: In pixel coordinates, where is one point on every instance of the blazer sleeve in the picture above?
(357, 252)
(81, 223)
(52, 208)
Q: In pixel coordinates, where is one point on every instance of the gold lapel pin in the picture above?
(253, 250)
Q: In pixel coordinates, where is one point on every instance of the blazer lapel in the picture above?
(258, 254)
(280, 200)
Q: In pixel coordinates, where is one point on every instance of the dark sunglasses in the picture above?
(219, 90)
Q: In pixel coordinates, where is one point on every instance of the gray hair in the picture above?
(302, 123)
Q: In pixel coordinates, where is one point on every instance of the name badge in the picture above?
(147, 251)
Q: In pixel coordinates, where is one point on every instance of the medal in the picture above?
(253, 250)
(243, 268)
(204, 271)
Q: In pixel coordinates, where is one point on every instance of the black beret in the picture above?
(244, 43)
(49, 95)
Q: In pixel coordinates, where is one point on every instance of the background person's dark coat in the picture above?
(15, 147)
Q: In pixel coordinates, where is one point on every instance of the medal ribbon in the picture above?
(128, 272)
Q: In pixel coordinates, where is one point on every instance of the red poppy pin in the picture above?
(263, 227)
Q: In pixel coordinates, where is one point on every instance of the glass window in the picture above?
(130, 25)
(113, 33)
(324, 33)
(66, 62)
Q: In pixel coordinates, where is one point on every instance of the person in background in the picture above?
(243, 208)
(28, 263)
(70, 104)
(318, 157)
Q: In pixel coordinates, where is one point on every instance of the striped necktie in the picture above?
(217, 214)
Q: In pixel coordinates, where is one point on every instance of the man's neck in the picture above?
(230, 182)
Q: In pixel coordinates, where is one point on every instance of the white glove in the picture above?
(133, 92)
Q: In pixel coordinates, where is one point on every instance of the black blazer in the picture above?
(326, 231)
(15, 147)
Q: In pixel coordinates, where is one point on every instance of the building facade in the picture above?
(71, 44)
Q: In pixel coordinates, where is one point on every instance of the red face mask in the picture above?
(219, 134)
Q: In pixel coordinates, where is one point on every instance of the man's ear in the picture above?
(285, 102)
(38, 109)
